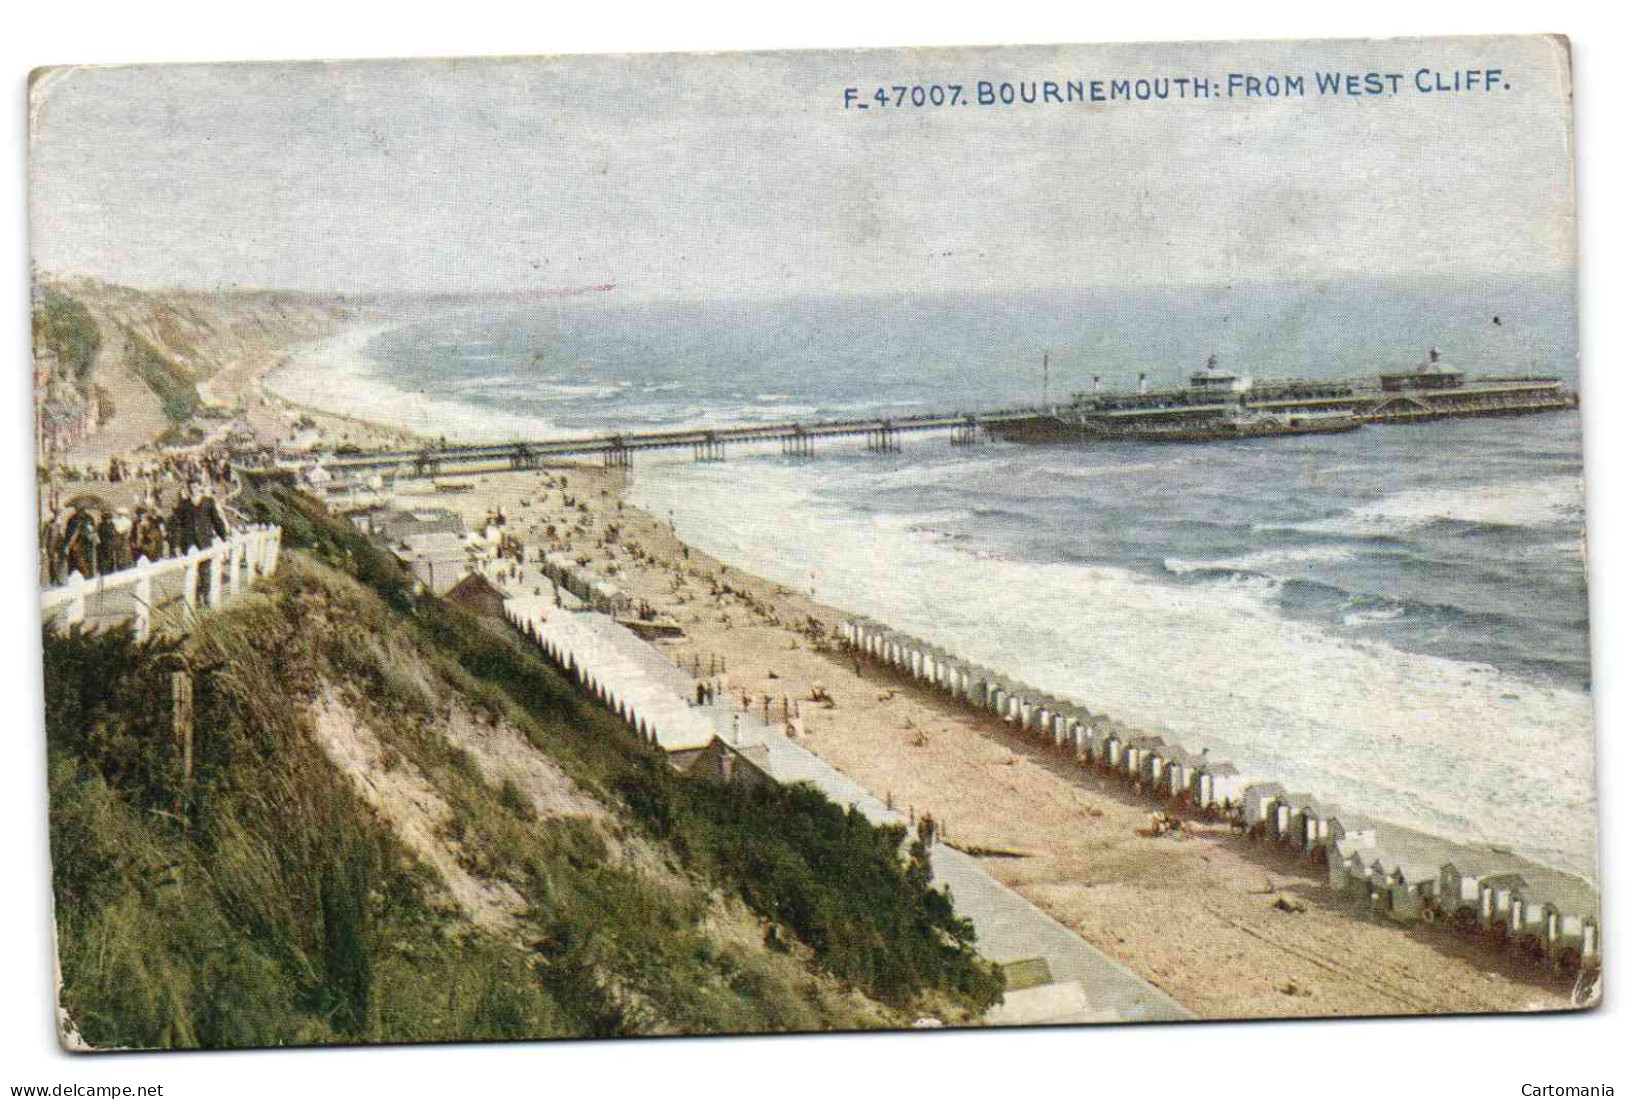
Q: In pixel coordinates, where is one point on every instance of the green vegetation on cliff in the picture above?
(269, 903)
(174, 386)
(64, 325)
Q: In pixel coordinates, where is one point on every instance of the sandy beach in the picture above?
(1196, 916)
(242, 386)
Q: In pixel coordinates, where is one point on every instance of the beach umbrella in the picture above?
(87, 500)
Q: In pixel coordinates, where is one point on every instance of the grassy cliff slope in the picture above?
(403, 825)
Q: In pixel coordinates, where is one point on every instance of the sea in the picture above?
(1394, 619)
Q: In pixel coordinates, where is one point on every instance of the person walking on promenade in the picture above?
(51, 537)
(80, 544)
(180, 524)
(197, 521)
(156, 543)
(115, 536)
(106, 555)
(52, 540)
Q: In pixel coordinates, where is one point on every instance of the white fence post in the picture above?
(233, 565)
(143, 599)
(216, 575)
(76, 607)
(189, 583)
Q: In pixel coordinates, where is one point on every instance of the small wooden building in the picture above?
(1286, 814)
(1348, 864)
(719, 761)
(1217, 782)
(1456, 891)
(1135, 751)
(1393, 892)
(1257, 800)
(1495, 894)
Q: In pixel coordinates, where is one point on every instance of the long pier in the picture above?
(1364, 400)
(880, 435)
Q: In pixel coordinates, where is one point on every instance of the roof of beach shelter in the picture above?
(679, 728)
(1348, 847)
(1420, 857)
(1568, 895)
(1346, 819)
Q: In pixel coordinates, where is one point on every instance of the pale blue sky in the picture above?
(743, 174)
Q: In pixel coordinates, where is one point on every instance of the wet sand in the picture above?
(1197, 916)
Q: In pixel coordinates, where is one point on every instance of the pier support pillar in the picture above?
(799, 445)
(883, 440)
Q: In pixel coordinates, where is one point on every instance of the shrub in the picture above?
(173, 385)
(65, 326)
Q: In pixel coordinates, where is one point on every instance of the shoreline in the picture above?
(1063, 837)
(1066, 839)
(256, 387)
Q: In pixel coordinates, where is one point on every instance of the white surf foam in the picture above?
(336, 375)
(1444, 746)
(1356, 619)
(1534, 502)
(1264, 561)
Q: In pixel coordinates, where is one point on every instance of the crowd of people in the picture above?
(88, 536)
(207, 466)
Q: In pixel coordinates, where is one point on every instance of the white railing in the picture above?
(207, 576)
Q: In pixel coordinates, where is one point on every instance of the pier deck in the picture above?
(707, 444)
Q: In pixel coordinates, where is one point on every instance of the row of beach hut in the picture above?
(585, 583)
(1190, 777)
(1405, 875)
(636, 682)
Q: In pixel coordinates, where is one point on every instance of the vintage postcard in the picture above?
(706, 544)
